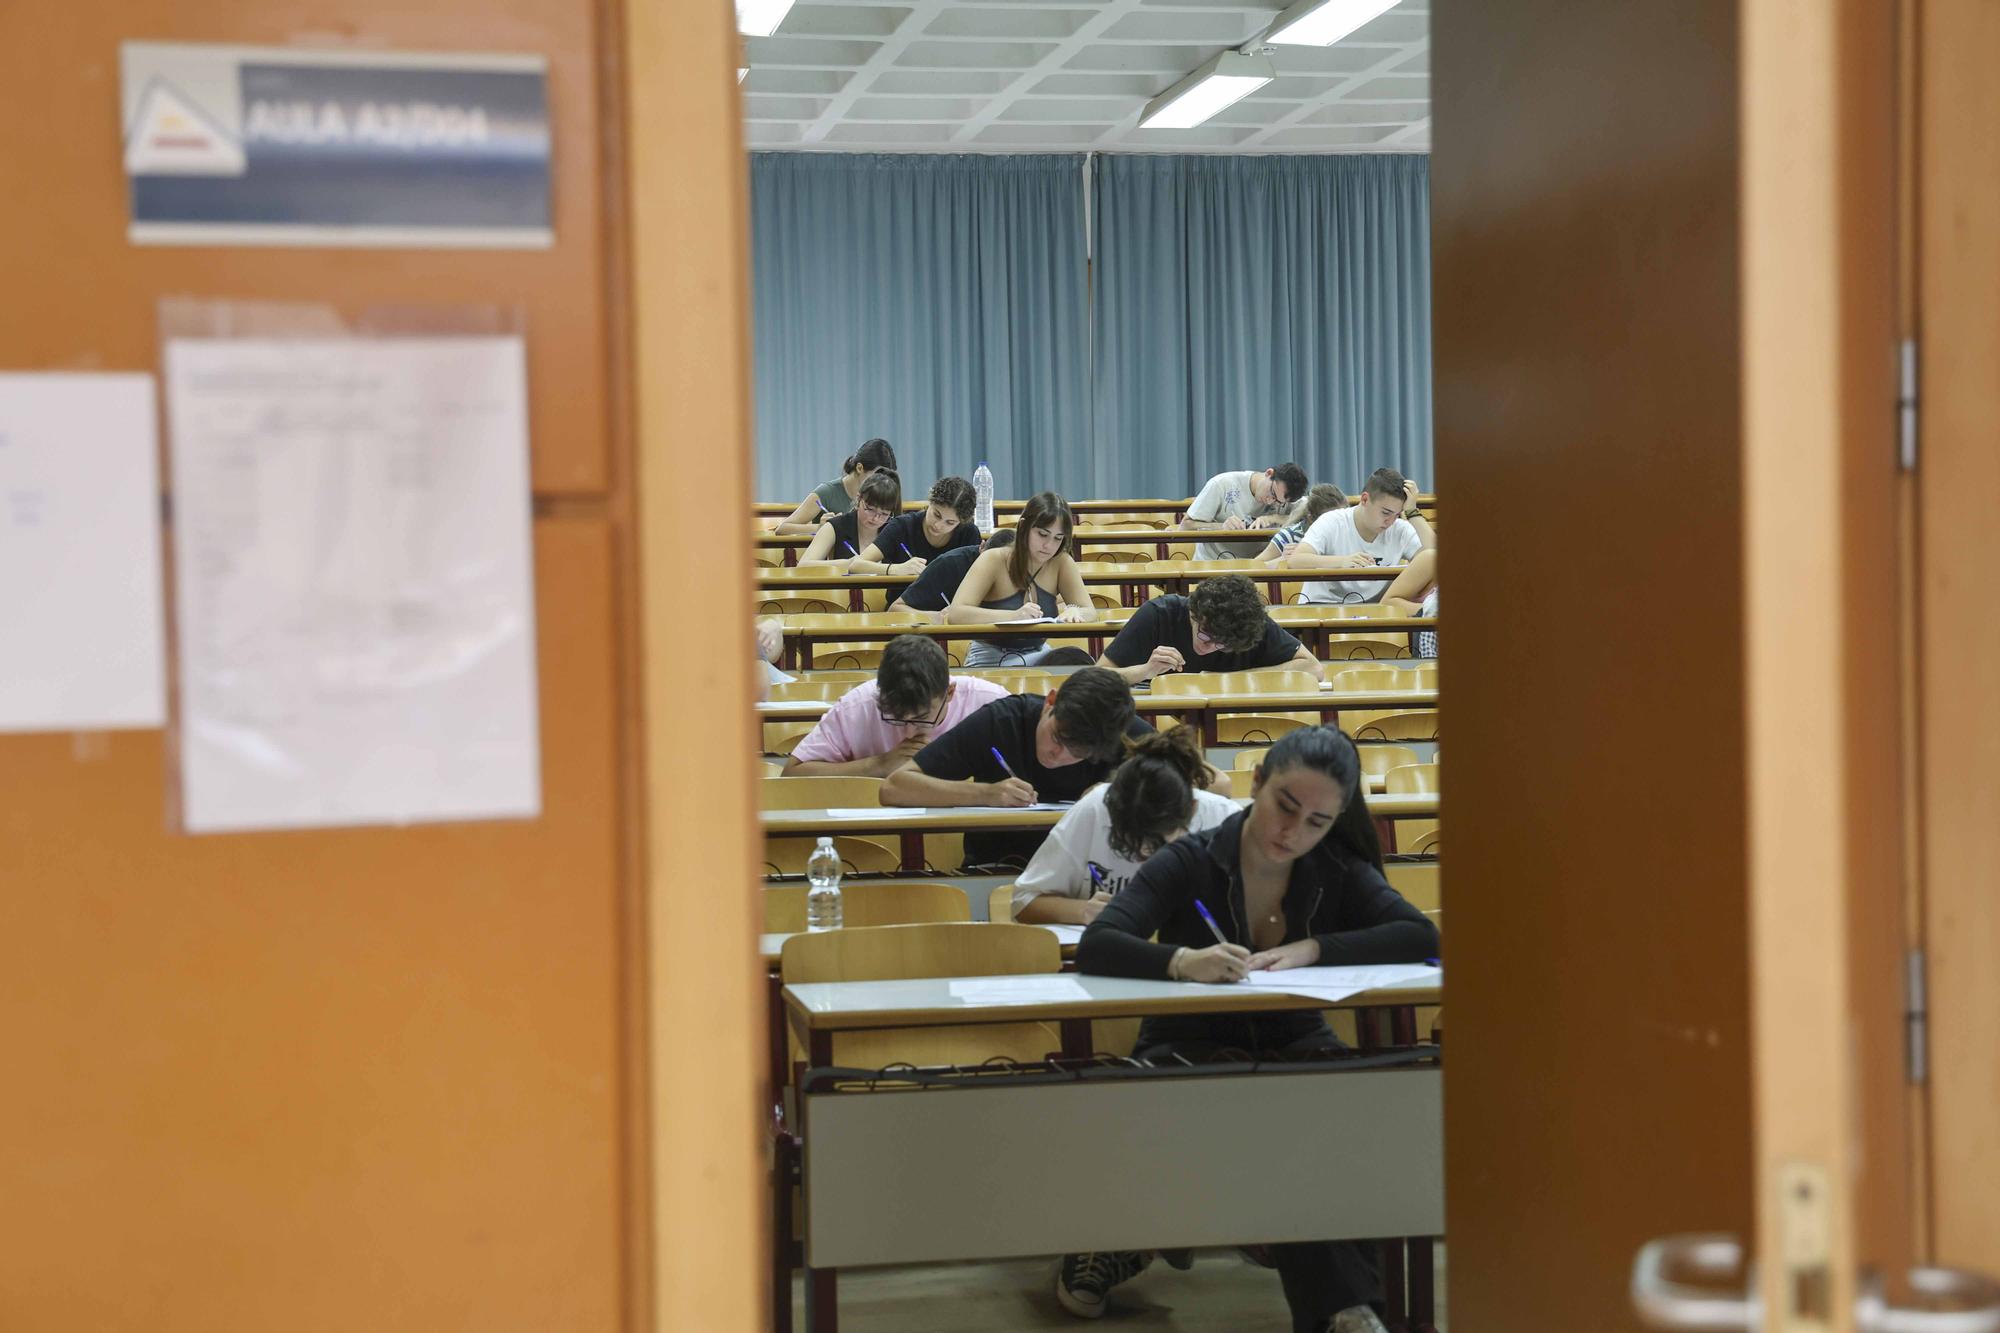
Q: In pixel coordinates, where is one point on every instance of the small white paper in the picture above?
(1014, 809)
(82, 619)
(1027, 620)
(1066, 933)
(854, 812)
(1018, 990)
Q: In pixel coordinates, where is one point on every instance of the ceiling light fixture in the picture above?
(760, 18)
(1215, 85)
(1324, 22)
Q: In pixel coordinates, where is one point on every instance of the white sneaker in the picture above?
(1357, 1319)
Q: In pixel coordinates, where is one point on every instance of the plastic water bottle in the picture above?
(982, 491)
(823, 898)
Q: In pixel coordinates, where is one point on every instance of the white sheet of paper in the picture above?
(1013, 809)
(1337, 983)
(355, 594)
(1018, 990)
(1065, 932)
(1027, 620)
(854, 812)
(82, 607)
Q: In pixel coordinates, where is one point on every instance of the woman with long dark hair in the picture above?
(1295, 880)
(832, 498)
(1036, 577)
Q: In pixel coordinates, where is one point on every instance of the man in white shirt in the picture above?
(1235, 501)
(1385, 528)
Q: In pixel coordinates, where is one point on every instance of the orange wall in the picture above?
(325, 1080)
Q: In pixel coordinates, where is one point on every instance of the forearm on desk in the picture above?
(911, 786)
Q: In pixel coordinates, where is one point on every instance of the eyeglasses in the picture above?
(889, 721)
(879, 515)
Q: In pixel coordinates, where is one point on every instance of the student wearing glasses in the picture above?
(1220, 626)
(839, 541)
(1244, 502)
(917, 539)
(881, 724)
(837, 496)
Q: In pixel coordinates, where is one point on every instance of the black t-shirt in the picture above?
(907, 531)
(1008, 725)
(938, 584)
(1165, 620)
(846, 534)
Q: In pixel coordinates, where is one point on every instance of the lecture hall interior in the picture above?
(701, 666)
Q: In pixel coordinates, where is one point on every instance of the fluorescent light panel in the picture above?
(1324, 22)
(760, 18)
(1224, 80)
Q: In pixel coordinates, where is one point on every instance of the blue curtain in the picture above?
(938, 301)
(1250, 310)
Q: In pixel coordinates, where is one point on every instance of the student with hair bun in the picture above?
(1155, 796)
(1293, 881)
(832, 498)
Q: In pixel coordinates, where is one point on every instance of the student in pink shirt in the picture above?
(879, 725)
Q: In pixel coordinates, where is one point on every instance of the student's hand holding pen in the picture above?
(1010, 792)
(1216, 963)
(1092, 905)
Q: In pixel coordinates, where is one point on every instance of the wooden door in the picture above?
(1957, 479)
(1664, 262)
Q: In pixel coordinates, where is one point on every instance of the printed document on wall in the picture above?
(82, 625)
(353, 579)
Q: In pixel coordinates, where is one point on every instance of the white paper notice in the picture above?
(1066, 933)
(82, 629)
(1018, 990)
(354, 583)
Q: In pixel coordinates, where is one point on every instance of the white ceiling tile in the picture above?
(1022, 75)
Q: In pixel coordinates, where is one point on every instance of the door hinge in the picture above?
(1906, 405)
(1916, 1015)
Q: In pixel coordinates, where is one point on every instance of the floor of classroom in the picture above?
(1222, 1293)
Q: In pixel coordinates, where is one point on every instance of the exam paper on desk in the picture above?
(1337, 983)
(1018, 990)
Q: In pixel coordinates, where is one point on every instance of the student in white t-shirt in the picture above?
(1153, 797)
(1385, 528)
(1236, 501)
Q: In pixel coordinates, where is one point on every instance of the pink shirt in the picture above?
(853, 728)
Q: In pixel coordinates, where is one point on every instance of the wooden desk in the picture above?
(1378, 1145)
(1175, 508)
(1313, 626)
(1132, 580)
(1204, 711)
(909, 824)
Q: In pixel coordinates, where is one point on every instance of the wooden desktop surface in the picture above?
(877, 820)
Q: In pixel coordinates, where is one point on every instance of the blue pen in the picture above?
(1214, 929)
(906, 552)
(1001, 760)
(1096, 878)
(850, 548)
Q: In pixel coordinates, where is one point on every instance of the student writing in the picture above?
(1036, 576)
(837, 496)
(1221, 626)
(1293, 881)
(882, 724)
(1156, 795)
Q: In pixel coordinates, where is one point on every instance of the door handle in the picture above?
(1976, 1296)
(1664, 1301)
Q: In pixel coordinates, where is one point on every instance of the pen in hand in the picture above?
(1213, 929)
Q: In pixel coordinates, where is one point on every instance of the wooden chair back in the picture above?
(784, 737)
(858, 856)
(1225, 683)
(1412, 778)
(820, 793)
(1377, 726)
(1370, 647)
(868, 904)
(1372, 678)
(1377, 760)
(1418, 882)
(802, 605)
(1000, 904)
(820, 688)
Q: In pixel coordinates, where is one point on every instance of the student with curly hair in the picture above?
(1221, 626)
(1158, 794)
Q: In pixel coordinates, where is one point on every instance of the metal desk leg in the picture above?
(1423, 1284)
(790, 655)
(782, 1158)
(822, 1301)
(854, 602)
(1397, 1303)
(1076, 1041)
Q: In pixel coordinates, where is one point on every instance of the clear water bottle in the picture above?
(823, 897)
(982, 490)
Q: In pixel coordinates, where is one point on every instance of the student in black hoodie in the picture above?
(1286, 895)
